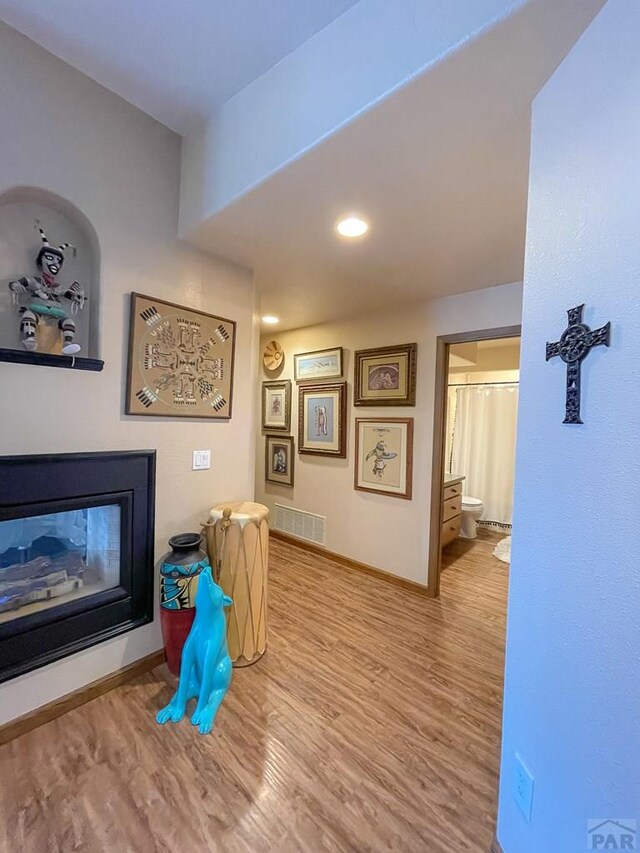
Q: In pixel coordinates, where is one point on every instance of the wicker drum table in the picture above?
(238, 541)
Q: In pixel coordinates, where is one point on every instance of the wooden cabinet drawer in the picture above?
(450, 530)
(451, 507)
(451, 491)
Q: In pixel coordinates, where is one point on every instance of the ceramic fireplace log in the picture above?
(17, 594)
(71, 562)
(21, 571)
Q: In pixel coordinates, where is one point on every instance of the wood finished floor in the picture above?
(371, 724)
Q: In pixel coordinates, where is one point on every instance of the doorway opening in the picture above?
(477, 376)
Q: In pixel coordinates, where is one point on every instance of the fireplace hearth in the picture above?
(76, 553)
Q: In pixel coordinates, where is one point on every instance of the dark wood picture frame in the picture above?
(285, 385)
(220, 409)
(318, 389)
(331, 377)
(410, 351)
(408, 490)
(268, 472)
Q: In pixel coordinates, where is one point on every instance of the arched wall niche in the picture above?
(21, 208)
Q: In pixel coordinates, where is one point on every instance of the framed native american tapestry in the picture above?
(180, 361)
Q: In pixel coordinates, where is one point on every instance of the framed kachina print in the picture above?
(279, 460)
(322, 364)
(322, 421)
(384, 456)
(276, 405)
(180, 361)
(386, 376)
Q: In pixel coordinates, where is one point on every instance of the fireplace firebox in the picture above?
(76, 553)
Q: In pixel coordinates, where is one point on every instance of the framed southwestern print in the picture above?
(276, 405)
(180, 361)
(322, 421)
(386, 376)
(322, 364)
(384, 456)
(279, 460)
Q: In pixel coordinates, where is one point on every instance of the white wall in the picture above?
(317, 89)
(385, 532)
(65, 133)
(484, 376)
(572, 694)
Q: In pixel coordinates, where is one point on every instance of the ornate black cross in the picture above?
(575, 345)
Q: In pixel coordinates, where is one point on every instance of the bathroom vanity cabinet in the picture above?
(451, 508)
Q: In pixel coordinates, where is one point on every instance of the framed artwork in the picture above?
(180, 361)
(322, 364)
(276, 406)
(386, 376)
(279, 460)
(322, 419)
(384, 456)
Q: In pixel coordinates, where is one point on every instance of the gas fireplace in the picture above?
(76, 553)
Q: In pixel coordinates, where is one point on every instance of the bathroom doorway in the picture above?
(477, 381)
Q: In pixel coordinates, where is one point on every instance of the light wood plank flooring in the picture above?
(372, 724)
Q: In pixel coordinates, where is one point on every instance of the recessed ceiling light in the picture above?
(270, 320)
(352, 226)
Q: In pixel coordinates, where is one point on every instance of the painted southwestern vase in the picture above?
(179, 573)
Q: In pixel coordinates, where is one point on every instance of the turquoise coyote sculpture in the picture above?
(205, 669)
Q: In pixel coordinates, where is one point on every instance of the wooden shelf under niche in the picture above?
(48, 359)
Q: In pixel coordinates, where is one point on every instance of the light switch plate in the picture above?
(201, 460)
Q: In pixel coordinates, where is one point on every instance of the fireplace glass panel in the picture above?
(49, 560)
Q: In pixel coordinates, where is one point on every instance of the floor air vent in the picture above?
(304, 525)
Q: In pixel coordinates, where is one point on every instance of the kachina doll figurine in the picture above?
(41, 298)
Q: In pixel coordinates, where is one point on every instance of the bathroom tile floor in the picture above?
(465, 551)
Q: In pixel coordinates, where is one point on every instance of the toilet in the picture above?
(472, 509)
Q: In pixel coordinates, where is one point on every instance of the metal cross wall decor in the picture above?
(574, 345)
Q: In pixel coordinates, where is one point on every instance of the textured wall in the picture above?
(573, 671)
(383, 531)
(67, 134)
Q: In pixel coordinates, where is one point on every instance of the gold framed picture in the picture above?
(386, 376)
(321, 364)
(180, 361)
(384, 456)
(279, 459)
(276, 406)
(322, 419)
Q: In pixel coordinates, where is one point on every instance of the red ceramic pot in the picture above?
(179, 573)
(176, 625)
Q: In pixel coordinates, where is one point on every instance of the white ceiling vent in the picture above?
(303, 525)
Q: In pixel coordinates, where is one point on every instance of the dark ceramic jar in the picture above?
(179, 573)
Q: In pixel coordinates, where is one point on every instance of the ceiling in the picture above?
(440, 169)
(489, 355)
(174, 60)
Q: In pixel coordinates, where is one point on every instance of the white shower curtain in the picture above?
(483, 441)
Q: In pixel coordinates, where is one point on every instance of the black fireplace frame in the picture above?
(48, 483)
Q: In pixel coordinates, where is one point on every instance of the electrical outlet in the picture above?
(201, 460)
(523, 788)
